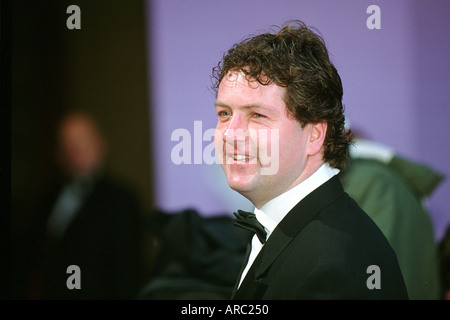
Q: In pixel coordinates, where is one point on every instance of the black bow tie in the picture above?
(248, 221)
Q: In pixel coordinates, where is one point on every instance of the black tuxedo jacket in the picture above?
(104, 240)
(322, 250)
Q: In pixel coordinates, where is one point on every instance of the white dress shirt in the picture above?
(276, 209)
(68, 203)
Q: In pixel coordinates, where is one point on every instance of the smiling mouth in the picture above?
(241, 158)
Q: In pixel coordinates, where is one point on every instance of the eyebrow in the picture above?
(246, 106)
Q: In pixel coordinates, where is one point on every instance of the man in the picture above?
(280, 139)
(92, 222)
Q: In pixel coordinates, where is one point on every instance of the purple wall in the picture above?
(395, 82)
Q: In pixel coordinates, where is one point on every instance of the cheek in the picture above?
(219, 144)
(267, 143)
(293, 147)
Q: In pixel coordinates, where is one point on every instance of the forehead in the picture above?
(236, 90)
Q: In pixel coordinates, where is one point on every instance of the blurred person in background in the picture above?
(392, 190)
(92, 221)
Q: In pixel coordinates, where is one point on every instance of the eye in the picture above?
(258, 115)
(223, 113)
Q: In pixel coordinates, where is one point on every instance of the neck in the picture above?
(259, 200)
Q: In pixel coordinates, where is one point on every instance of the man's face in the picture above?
(261, 148)
(81, 147)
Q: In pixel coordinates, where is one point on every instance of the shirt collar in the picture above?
(275, 210)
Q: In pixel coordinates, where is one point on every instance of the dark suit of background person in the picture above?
(92, 222)
(321, 250)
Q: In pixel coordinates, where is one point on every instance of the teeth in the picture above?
(240, 157)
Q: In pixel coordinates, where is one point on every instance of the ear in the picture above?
(317, 137)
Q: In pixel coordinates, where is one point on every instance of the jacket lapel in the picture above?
(296, 220)
(247, 255)
(289, 227)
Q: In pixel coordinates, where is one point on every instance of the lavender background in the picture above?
(395, 82)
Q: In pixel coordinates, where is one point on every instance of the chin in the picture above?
(242, 178)
(241, 184)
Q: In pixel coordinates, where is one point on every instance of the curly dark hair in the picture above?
(295, 58)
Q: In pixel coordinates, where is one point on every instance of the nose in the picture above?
(236, 129)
